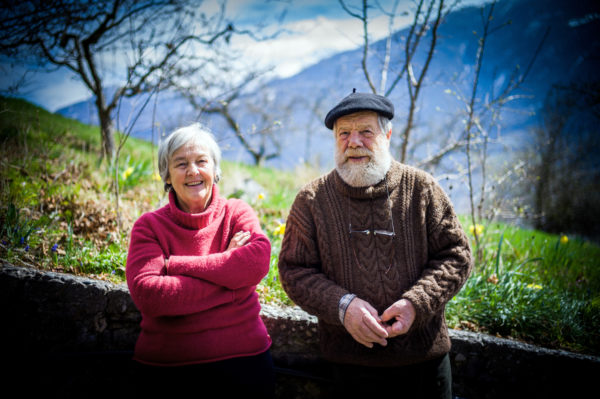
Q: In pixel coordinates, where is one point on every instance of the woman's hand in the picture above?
(239, 239)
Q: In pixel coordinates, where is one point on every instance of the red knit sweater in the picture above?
(205, 307)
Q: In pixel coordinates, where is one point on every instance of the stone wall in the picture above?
(65, 334)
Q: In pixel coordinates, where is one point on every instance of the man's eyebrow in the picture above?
(366, 126)
(362, 126)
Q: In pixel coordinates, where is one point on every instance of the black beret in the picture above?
(357, 102)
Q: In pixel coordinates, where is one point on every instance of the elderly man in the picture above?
(375, 251)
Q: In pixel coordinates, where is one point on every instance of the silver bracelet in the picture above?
(343, 305)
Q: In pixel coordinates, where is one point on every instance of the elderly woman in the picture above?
(192, 270)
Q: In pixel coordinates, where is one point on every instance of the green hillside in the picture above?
(59, 212)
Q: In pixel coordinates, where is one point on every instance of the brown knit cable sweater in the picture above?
(427, 262)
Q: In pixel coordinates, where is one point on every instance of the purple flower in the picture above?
(27, 248)
(54, 248)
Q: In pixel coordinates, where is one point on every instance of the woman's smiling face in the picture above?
(192, 173)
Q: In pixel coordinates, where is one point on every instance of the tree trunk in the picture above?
(407, 130)
(259, 159)
(541, 191)
(107, 128)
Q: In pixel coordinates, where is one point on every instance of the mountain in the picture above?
(567, 31)
(568, 54)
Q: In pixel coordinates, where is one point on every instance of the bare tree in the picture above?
(428, 16)
(362, 15)
(236, 94)
(478, 111)
(258, 137)
(110, 42)
(316, 115)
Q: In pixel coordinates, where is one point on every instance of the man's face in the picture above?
(362, 151)
(356, 131)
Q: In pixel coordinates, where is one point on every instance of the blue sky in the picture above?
(312, 30)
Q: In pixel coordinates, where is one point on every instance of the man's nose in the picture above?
(355, 140)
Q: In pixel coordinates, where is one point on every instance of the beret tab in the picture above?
(356, 102)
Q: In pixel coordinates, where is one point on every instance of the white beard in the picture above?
(364, 175)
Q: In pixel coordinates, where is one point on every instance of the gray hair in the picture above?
(384, 124)
(195, 133)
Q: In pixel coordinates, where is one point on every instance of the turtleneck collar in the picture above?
(196, 220)
(393, 177)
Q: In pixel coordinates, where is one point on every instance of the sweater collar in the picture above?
(392, 177)
(196, 220)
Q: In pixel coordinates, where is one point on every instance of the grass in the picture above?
(535, 287)
(58, 213)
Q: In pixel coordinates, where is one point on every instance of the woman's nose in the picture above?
(192, 169)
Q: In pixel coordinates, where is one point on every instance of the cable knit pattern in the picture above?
(203, 307)
(427, 261)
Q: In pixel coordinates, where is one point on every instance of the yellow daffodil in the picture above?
(534, 286)
(477, 229)
(156, 177)
(564, 239)
(279, 230)
(127, 173)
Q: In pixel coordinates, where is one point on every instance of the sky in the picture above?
(310, 30)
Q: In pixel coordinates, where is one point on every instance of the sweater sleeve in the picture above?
(300, 267)
(241, 267)
(449, 258)
(155, 293)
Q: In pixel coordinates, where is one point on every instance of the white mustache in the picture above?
(358, 153)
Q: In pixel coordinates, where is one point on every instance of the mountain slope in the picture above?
(568, 54)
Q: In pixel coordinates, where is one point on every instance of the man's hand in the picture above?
(363, 323)
(403, 313)
(239, 239)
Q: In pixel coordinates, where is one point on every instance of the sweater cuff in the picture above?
(343, 305)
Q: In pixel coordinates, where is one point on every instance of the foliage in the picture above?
(532, 286)
(56, 212)
(131, 173)
(56, 215)
(564, 161)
